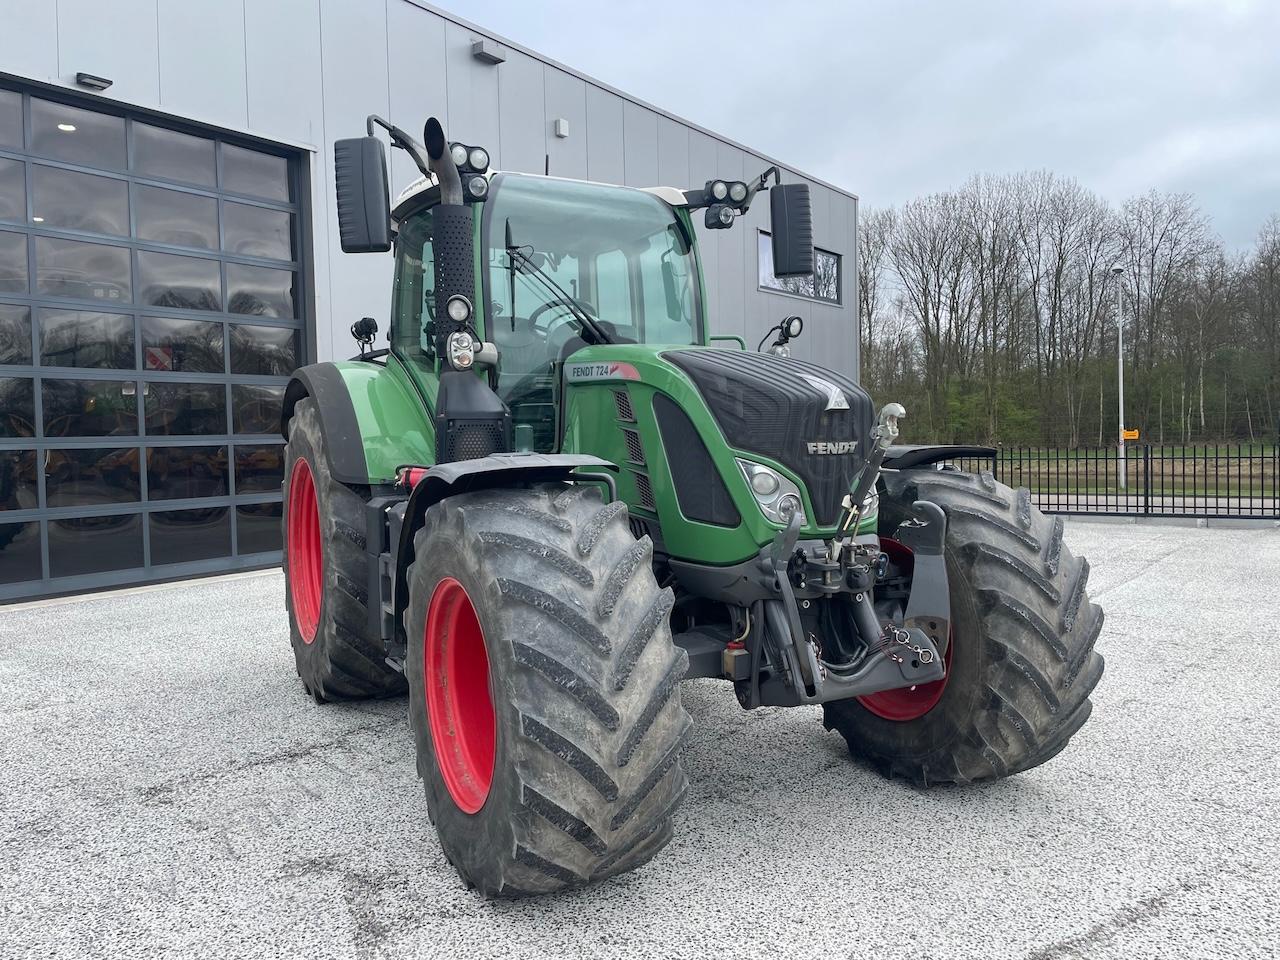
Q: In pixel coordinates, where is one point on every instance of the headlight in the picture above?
(458, 152)
(478, 187)
(778, 498)
(871, 505)
(737, 191)
(459, 309)
(719, 189)
(479, 159)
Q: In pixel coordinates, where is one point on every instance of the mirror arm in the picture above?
(402, 140)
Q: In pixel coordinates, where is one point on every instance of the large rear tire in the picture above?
(1021, 663)
(543, 689)
(325, 573)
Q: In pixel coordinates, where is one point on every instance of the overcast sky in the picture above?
(893, 100)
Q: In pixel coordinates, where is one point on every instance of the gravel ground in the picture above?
(170, 791)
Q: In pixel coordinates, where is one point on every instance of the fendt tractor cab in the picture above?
(550, 499)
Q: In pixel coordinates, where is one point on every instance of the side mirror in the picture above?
(791, 220)
(364, 217)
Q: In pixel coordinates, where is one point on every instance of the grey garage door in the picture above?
(151, 309)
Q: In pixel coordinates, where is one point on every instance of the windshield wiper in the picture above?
(532, 268)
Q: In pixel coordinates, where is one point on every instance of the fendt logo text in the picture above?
(840, 446)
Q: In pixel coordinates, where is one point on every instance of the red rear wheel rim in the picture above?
(306, 556)
(907, 703)
(455, 674)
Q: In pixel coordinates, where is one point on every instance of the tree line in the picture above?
(991, 313)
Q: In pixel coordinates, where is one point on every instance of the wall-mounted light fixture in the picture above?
(562, 128)
(487, 51)
(92, 82)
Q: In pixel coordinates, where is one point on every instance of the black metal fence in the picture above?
(1152, 480)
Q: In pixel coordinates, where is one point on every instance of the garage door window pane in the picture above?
(178, 536)
(181, 283)
(13, 262)
(264, 351)
(259, 291)
(77, 136)
(80, 201)
(89, 408)
(179, 473)
(18, 489)
(82, 545)
(253, 173)
(183, 219)
(181, 345)
(19, 552)
(74, 338)
(258, 231)
(258, 527)
(86, 271)
(10, 119)
(257, 409)
(185, 409)
(172, 155)
(13, 191)
(259, 469)
(17, 407)
(93, 476)
(15, 334)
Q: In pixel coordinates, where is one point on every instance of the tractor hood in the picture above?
(815, 421)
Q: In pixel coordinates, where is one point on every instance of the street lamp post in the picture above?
(1122, 465)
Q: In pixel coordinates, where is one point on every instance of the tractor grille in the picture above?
(626, 413)
(635, 449)
(645, 490)
(700, 489)
(764, 404)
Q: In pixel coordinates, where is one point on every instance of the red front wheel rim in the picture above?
(907, 703)
(455, 667)
(306, 554)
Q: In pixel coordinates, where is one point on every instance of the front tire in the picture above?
(1021, 663)
(325, 573)
(543, 689)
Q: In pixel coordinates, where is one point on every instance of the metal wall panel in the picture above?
(473, 93)
(117, 40)
(200, 40)
(606, 160)
(285, 93)
(29, 40)
(566, 99)
(673, 155)
(354, 46)
(640, 144)
(419, 80)
(732, 277)
(522, 115)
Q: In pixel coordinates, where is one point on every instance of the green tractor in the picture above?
(550, 500)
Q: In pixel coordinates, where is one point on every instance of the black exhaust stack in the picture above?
(471, 422)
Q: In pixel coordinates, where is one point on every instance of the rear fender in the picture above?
(371, 418)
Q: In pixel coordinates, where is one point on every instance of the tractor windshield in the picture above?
(617, 254)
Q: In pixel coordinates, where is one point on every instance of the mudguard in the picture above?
(905, 457)
(371, 419)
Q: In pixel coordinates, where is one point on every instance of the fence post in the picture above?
(1146, 479)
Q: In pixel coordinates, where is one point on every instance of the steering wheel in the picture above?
(566, 308)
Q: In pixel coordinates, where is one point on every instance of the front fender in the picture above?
(371, 418)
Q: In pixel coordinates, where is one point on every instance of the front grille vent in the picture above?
(625, 411)
(645, 491)
(635, 449)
